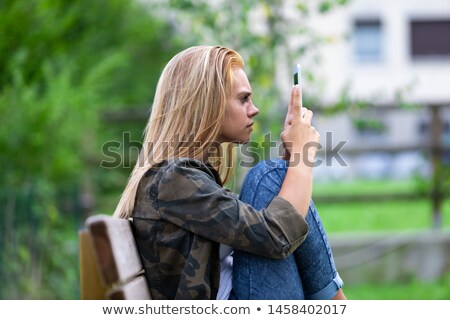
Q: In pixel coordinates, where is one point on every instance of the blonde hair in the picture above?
(187, 115)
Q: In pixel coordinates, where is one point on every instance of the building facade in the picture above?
(385, 52)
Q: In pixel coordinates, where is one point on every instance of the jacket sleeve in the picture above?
(189, 197)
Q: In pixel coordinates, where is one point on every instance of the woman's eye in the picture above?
(245, 99)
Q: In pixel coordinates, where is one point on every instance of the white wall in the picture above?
(428, 81)
(379, 81)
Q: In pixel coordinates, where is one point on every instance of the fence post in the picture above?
(437, 167)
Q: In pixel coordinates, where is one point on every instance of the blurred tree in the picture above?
(63, 63)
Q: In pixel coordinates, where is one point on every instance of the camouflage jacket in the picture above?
(182, 213)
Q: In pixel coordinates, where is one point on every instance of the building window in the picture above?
(368, 42)
(430, 38)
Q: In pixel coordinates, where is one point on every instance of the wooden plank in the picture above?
(115, 248)
(91, 286)
(136, 289)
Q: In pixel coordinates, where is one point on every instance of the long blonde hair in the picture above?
(187, 115)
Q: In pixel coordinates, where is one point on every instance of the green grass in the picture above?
(414, 290)
(375, 216)
(363, 187)
(383, 216)
(380, 216)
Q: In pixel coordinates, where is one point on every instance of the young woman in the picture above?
(187, 225)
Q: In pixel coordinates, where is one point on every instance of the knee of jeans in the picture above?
(263, 180)
(276, 169)
(254, 175)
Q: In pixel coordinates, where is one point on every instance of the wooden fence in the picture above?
(435, 148)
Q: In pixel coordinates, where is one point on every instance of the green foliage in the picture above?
(327, 5)
(62, 65)
(83, 34)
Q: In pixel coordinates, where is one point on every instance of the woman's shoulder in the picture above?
(177, 177)
(190, 168)
(181, 168)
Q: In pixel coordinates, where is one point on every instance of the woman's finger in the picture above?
(288, 120)
(307, 115)
(294, 105)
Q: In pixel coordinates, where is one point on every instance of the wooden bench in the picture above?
(110, 265)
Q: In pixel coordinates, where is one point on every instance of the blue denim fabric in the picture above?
(309, 273)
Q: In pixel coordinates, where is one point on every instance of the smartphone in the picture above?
(297, 74)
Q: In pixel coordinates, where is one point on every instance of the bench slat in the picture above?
(91, 286)
(136, 289)
(115, 248)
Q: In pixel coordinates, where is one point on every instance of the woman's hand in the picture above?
(300, 141)
(299, 138)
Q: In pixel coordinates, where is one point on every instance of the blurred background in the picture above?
(77, 80)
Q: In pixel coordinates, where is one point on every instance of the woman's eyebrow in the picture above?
(244, 93)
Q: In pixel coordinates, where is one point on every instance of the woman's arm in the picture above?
(301, 141)
(189, 197)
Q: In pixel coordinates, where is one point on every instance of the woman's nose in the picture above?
(253, 111)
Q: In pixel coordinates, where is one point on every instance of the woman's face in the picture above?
(239, 112)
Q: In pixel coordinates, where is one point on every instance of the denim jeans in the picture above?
(308, 273)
